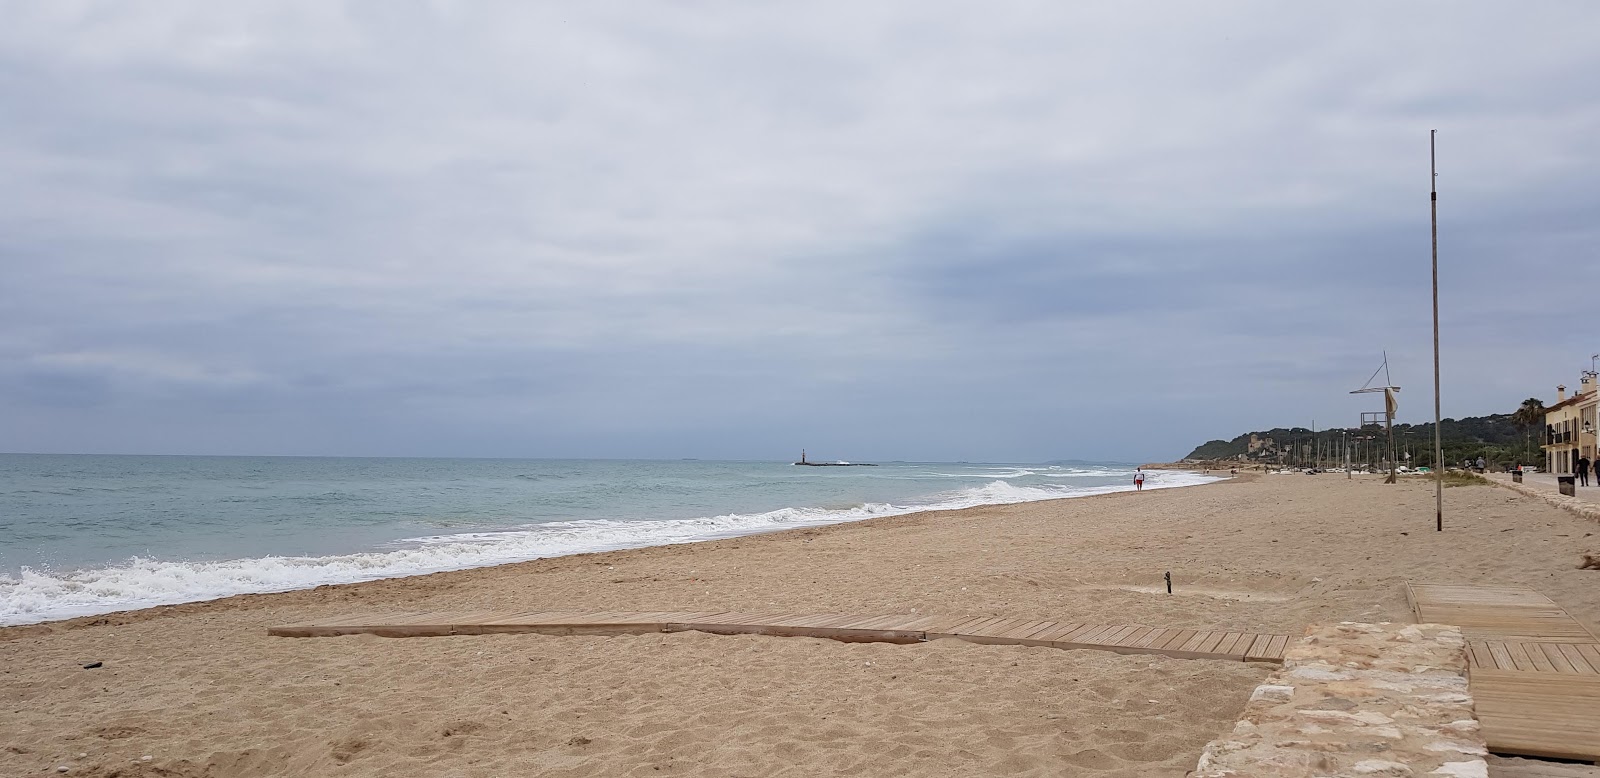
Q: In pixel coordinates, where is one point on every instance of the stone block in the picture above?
(1358, 700)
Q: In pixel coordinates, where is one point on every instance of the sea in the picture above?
(90, 534)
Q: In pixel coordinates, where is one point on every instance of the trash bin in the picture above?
(1568, 484)
(1516, 476)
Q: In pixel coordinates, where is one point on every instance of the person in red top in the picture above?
(1138, 479)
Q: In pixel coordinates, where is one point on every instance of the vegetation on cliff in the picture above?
(1501, 439)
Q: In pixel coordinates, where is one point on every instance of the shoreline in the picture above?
(624, 546)
(201, 688)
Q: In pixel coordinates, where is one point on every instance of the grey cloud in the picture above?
(911, 231)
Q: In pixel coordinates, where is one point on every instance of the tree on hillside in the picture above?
(1528, 417)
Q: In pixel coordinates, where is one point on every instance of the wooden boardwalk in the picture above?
(1236, 646)
(1534, 657)
(1534, 670)
(1500, 612)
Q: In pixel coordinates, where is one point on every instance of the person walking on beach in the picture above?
(1480, 464)
(1583, 470)
(1138, 479)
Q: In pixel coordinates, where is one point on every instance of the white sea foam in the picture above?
(34, 596)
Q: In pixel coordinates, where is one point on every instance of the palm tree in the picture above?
(1529, 416)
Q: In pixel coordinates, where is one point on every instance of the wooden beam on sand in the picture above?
(895, 628)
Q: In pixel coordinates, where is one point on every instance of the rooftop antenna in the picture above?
(1438, 447)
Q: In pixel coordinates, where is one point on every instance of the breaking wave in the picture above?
(42, 595)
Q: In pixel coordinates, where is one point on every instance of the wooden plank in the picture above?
(765, 618)
(1131, 639)
(1089, 636)
(1536, 658)
(704, 618)
(1107, 636)
(956, 628)
(720, 618)
(1258, 646)
(1581, 663)
(975, 627)
(1001, 630)
(801, 619)
(993, 633)
(617, 618)
(725, 623)
(565, 623)
(1538, 714)
(895, 622)
(845, 621)
(1194, 641)
(1204, 638)
(1028, 635)
(1480, 656)
(996, 629)
(751, 618)
(1027, 629)
(1237, 645)
(636, 618)
(1267, 648)
(600, 617)
(843, 634)
(865, 622)
(1519, 656)
(1081, 631)
(1097, 637)
(1061, 628)
(1046, 627)
(1555, 658)
(1590, 652)
(1279, 644)
(1210, 646)
(931, 623)
(1224, 646)
(1156, 637)
(1502, 657)
(1178, 639)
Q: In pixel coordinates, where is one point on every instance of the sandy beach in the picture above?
(203, 691)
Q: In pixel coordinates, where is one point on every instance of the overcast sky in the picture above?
(919, 230)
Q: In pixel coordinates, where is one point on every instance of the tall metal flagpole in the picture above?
(1438, 447)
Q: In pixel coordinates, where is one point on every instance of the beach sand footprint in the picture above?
(1091, 758)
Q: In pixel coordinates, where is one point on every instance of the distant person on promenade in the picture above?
(1138, 479)
(1583, 471)
(1481, 464)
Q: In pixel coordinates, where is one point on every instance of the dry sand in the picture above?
(202, 690)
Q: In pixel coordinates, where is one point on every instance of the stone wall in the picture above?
(1358, 700)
